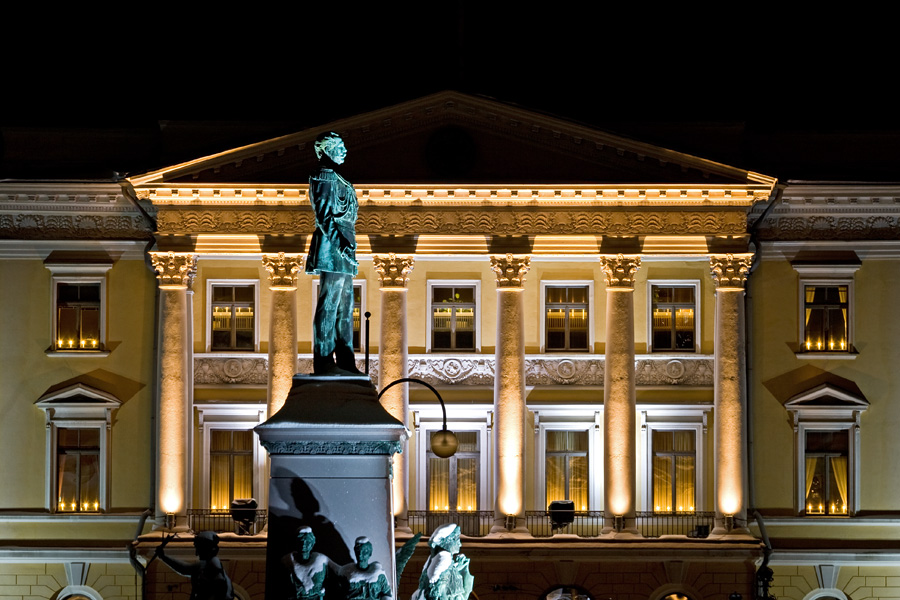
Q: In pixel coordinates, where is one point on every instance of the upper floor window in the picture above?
(78, 469)
(826, 307)
(826, 425)
(674, 470)
(566, 317)
(231, 466)
(453, 482)
(566, 470)
(826, 311)
(78, 420)
(452, 321)
(79, 305)
(673, 323)
(232, 318)
(827, 472)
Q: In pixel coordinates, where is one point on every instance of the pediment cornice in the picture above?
(392, 126)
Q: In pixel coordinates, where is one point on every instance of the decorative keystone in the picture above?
(393, 269)
(619, 270)
(729, 270)
(283, 269)
(510, 270)
(174, 269)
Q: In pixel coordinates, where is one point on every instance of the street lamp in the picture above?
(443, 443)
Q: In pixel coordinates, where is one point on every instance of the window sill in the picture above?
(850, 355)
(74, 352)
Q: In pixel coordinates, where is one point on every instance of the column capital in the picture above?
(393, 269)
(174, 270)
(283, 269)
(510, 269)
(730, 270)
(619, 270)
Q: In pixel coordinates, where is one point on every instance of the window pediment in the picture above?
(826, 402)
(78, 402)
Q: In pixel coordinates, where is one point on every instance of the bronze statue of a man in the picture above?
(332, 256)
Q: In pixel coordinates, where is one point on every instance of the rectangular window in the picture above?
(78, 469)
(827, 472)
(453, 482)
(78, 316)
(566, 473)
(566, 318)
(233, 317)
(673, 318)
(453, 317)
(674, 470)
(230, 466)
(826, 318)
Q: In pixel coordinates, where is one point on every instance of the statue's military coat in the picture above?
(333, 246)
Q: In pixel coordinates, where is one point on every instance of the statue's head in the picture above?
(363, 550)
(331, 145)
(206, 545)
(305, 539)
(446, 537)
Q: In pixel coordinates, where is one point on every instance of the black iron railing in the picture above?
(696, 524)
(220, 521)
(476, 523)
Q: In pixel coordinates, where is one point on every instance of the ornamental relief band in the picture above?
(454, 221)
(479, 371)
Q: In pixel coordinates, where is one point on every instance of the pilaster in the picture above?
(619, 420)
(393, 275)
(509, 394)
(283, 270)
(175, 272)
(729, 273)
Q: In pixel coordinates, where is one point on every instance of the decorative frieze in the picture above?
(730, 270)
(387, 447)
(510, 270)
(174, 269)
(393, 269)
(283, 269)
(251, 370)
(619, 270)
(489, 220)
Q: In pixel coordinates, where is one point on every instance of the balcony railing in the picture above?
(205, 519)
(586, 524)
(476, 523)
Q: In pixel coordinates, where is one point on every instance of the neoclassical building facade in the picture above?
(695, 355)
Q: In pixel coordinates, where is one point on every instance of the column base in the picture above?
(620, 525)
(510, 524)
(164, 522)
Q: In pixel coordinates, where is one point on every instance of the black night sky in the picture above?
(801, 96)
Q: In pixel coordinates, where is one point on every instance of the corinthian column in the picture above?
(175, 272)
(618, 395)
(729, 272)
(283, 269)
(393, 271)
(509, 393)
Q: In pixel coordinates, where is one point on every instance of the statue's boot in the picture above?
(346, 361)
(323, 365)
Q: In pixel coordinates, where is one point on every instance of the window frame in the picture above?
(674, 418)
(542, 315)
(230, 416)
(362, 309)
(81, 273)
(91, 409)
(827, 408)
(430, 284)
(210, 284)
(427, 420)
(825, 275)
(569, 418)
(694, 283)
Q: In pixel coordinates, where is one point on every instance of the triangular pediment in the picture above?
(827, 396)
(454, 137)
(78, 402)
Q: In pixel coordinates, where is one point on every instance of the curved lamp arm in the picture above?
(444, 432)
